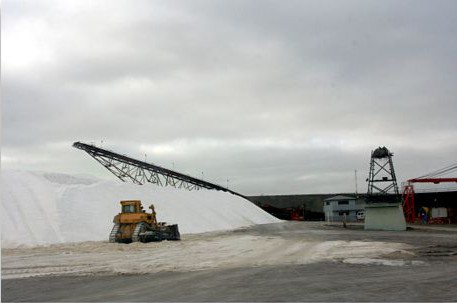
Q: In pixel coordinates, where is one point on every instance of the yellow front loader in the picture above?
(134, 224)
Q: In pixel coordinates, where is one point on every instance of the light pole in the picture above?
(355, 176)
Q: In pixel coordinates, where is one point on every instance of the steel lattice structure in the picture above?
(382, 182)
(139, 172)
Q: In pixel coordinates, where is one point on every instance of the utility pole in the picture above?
(355, 176)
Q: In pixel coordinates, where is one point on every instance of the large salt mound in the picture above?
(45, 208)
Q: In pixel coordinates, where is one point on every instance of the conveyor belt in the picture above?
(139, 172)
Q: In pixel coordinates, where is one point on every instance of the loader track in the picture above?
(136, 233)
(112, 235)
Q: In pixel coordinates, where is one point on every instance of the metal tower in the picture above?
(382, 182)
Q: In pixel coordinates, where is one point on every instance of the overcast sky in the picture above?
(278, 97)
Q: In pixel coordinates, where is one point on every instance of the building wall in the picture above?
(334, 210)
(315, 203)
(309, 202)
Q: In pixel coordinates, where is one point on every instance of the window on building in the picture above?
(343, 202)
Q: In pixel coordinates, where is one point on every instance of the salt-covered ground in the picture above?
(46, 208)
(288, 261)
(221, 250)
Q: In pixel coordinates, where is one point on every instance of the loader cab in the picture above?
(131, 207)
(128, 208)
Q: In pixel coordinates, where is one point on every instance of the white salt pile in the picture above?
(46, 208)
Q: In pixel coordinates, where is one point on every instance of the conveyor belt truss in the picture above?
(139, 172)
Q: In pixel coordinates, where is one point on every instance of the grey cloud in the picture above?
(349, 75)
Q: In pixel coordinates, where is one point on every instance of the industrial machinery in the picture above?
(139, 172)
(435, 177)
(133, 224)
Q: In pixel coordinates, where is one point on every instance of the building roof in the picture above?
(340, 198)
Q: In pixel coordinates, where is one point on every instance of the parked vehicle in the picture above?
(360, 215)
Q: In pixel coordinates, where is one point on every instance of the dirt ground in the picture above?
(290, 261)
